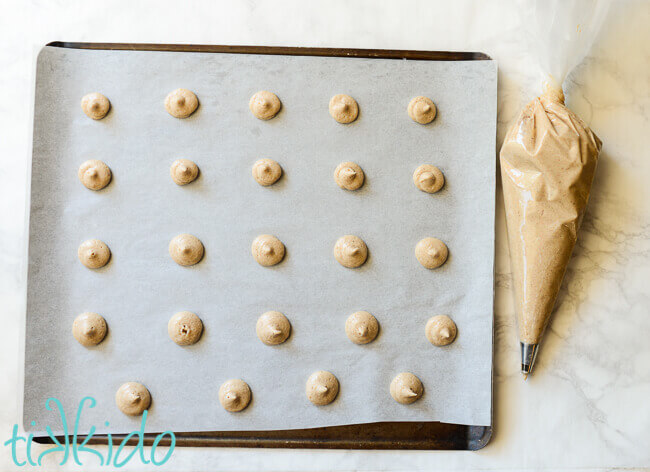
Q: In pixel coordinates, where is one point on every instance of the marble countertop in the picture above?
(587, 405)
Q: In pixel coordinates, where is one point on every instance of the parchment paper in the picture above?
(142, 209)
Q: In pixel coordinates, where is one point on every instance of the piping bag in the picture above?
(548, 160)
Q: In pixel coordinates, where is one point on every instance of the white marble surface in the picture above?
(587, 407)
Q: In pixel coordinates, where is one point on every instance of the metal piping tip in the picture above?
(528, 356)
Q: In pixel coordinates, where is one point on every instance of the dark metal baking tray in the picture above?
(384, 435)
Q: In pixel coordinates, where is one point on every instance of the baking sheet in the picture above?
(142, 210)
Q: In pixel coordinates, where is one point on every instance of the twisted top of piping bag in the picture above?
(552, 90)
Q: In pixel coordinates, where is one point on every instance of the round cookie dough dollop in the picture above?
(183, 171)
(264, 105)
(181, 103)
(94, 174)
(422, 110)
(343, 108)
(267, 250)
(186, 250)
(273, 328)
(406, 388)
(428, 178)
(440, 330)
(322, 387)
(94, 254)
(266, 172)
(431, 252)
(89, 329)
(350, 251)
(95, 105)
(349, 176)
(361, 327)
(132, 398)
(185, 328)
(234, 395)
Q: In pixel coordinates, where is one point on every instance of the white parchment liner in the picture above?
(142, 209)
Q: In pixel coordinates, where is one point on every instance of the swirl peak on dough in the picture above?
(89, 329)
(322, 388)
(183, 171)
(431, 253)
(132, 398)
(181, 103)
(267, 250)
(361, 327)
(95, 105)
(186, 250)
(422, 110)
(350, 251)
(94, 174)
(234, 395)
(406, 388)
(343, 108)
(264, 105)
(273, 328)
(349, 176)
(94, 253)
(266, 172)
(440, 330)
(428, 178)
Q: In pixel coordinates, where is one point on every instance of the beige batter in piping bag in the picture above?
(548, 160)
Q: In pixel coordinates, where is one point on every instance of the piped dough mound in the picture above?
(267, 250)
(94, 253)
(273, 328)
(440, 330)
(361, 327)
(181, 103)
(266, 172)
(132, 398)
(264, 105)
(428, 178)
(406, 388)
(186, 250)
(422, 110)
(185, 328)
(343, 108)
(322, 388)
(95, 105)
(350, 251)
(94, 174)
(349, 176)
(89, 329)
(234, 395)
(431, 253)
(183, 171)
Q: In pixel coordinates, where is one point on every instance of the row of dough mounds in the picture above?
(321, 388)
(96, 175)
(186, 250)
(264, 105)
(272, 328)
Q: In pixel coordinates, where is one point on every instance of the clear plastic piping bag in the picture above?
(548, 160)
